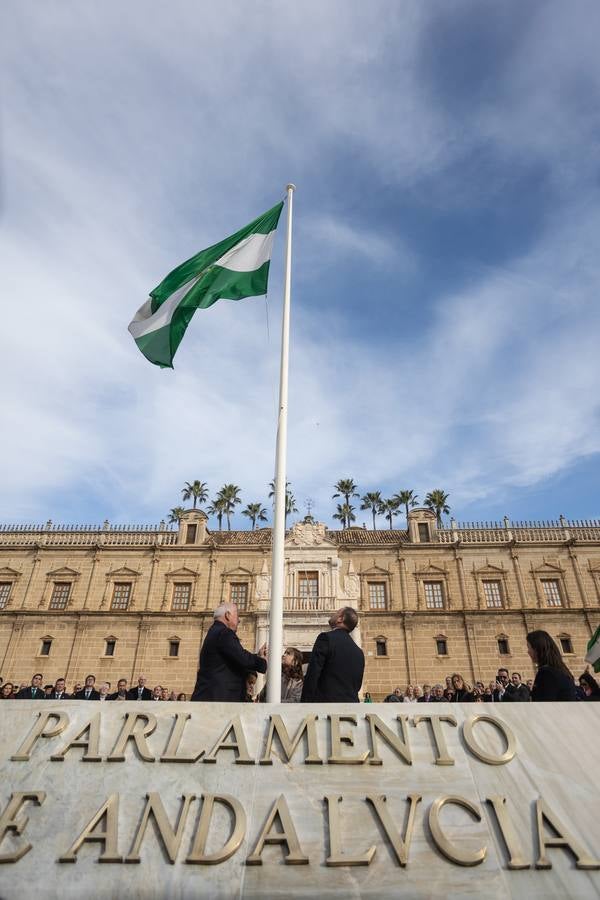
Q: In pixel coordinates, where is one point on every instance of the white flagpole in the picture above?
(278, 561)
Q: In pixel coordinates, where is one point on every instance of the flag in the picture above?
(232, 269)
(593, 650)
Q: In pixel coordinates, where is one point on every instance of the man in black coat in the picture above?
(337, 664)
(141, 692)
(58, 691)
(89, 691)
(516, 691)
(224, 664)
(35, 692)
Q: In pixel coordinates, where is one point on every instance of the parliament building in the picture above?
(120, 601)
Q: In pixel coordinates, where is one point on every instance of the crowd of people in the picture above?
(228, 672)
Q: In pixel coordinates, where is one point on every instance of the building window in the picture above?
(493, 593)
(238, 594)
(434, 595)
(190, 534)
(5, 587)
(182, 591)
(121, 595)
(381, 646)
(441, 646)
(377, 595)
(551, 589)
(566, 644)
(308, 586)
(174, 647)
(423, 532)
(109, 647)
(45, 648)
(60, 594)
(503, 646)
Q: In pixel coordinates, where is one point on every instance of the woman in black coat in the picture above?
(553, 680)
(590, 686)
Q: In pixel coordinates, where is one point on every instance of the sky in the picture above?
(445, 304)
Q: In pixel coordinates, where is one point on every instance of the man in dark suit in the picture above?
(224, 664)
(35, 691)
(121, 693)
(89, 691)
(516, 691)
(141, 692)
(58, 691)
(337, 664)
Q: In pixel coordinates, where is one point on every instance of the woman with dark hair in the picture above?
(590, 686)
(7, 692)
(462, 694)
(553, 680)
(292, 678)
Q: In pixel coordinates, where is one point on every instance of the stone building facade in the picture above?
(122, 601)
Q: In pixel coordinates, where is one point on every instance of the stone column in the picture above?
(95, 560)
(400, 584)
(140, 647)
(461, 579)
(211, 566)
(471, 647)
(409, 650)
(36, 561)
(11, 648)
(519, 578)
(153, 565)
(578, 578)
(78, 640)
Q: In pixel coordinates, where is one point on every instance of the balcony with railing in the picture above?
(504, 532)
(310, 604)
(50, 535)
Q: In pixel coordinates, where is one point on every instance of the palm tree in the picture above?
(345, 514)
(406, 499)
(230, 496)
(438, 502)
(217, 508)
(290, 500)
(196, 489)
(256, 513)
(345, 488)
(373, 501)
(175, 514)
(390, 509)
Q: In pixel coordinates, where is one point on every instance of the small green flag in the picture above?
(593, 650)
(232, 269)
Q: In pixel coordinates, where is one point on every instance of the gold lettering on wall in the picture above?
(512, 841)
(91, 742)
(563, 838)
(442, 757)
(11, 821)
(336, 855)
(337, 739)
(108, 836)
(170, 837)
(459, 855)
(287, 835)
(277, 727)
(401, 845)
(400, 744)
(239, 744)
(170, 751)
(198, 853)
(476, 748)
(137, 727)
(41, 729)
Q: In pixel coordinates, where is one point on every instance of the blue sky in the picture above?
(446, 318)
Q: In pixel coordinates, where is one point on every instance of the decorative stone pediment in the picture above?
(123, 572)
(63, 572)
(8, 572)
(489, 569)
(375, 571)
(431, 569)
(308, 534)
(238, 572)
(548, 568)
(183, 572)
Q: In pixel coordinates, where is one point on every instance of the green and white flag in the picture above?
(232, 269)
(593, 650)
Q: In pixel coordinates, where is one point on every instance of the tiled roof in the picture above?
(354, 536)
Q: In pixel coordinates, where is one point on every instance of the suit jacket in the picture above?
(115, 696)
(132, 694)
(519, 694)
(335, 670)
(63, 696)
(552, 684)
(224, 665)
(27, 694)
(80, 695)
